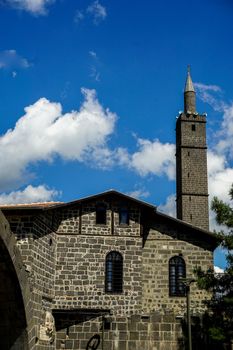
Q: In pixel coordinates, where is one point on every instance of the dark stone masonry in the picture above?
(104, 272)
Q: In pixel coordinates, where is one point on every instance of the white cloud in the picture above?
(218, 269)
(29, 195)
(210, 95)
(205, 87)
(220, 176)
(43, 132)
(95, 74)
(154, 157)
(102, 157)
(169, 207)
(10, 59)
(93, 54)
(97, 11)
(94, 71)
(35, 7)
(139, 193)
(216, 162)
(122, 157)
(78, 17)
(225, 144)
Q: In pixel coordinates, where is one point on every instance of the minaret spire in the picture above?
(189, 95)
(189, 84)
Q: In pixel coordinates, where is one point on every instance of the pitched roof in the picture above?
(49, 205)
(37, 205)
(150, 208)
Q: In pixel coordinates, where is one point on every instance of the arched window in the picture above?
(114, 273)
(177, 271)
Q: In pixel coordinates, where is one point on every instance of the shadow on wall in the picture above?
(13, 323)
(160, 224)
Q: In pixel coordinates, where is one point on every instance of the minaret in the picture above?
(191, 162)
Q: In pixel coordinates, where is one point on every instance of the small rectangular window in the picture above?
(123, 216)
(101, 214)
(193, 127)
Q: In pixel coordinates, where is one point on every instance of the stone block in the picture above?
(134, 336)
(132, 345)
(165, 327)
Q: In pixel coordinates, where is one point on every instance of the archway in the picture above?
(13, 293)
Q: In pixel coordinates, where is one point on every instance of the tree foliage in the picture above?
(218, 320)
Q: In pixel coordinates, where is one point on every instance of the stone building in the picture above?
(103, 272)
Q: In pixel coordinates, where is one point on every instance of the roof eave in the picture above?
(101, 194)
(190, 226)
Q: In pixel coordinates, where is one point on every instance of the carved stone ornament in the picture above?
(47, 330)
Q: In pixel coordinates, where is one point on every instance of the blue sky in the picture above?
(90, 91)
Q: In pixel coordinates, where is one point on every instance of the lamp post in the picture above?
(102, 332)
(187, 282)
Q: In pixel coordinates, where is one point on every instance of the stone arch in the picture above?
(14, 293)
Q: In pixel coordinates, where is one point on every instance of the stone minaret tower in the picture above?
(191, 162)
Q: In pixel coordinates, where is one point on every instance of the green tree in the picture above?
(218, 320)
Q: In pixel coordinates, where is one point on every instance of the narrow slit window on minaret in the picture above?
(188, 174)
(191, 217)
(190, 198)
(188, 154)
(193, 127)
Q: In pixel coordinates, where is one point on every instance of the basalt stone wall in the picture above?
(148, 332)
(69, 220)
(80, 272)
(37, 244)
(81, 219)
(195, 210)
(43, 274)
(191, 170)
(82, 247)
(186, 135)
(158, 249)
(44, 251)
(22, 227)
(193, 193)
(64, 252)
